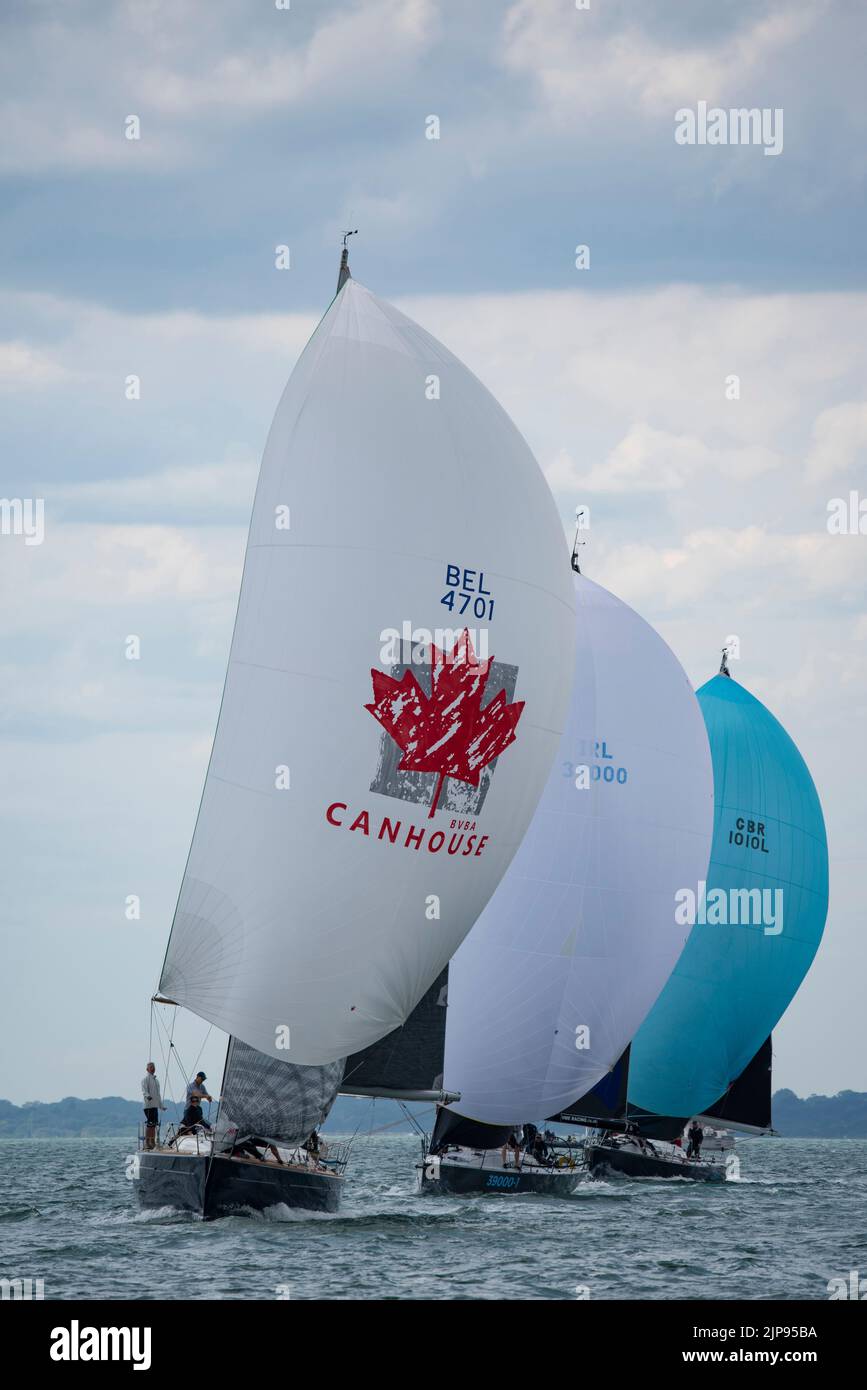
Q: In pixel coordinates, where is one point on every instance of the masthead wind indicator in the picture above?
(581, 523)
(344, 273)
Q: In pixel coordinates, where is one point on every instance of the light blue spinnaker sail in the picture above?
(733, 982)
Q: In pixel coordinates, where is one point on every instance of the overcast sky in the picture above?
(262, 127)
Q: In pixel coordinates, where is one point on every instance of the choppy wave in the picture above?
(793, 1221)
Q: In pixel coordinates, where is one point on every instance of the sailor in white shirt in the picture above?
(153, 1103)
(197, 1088)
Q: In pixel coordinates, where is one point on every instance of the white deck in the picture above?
(201, 1145)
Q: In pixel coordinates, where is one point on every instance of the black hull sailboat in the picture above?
(638, 1144)
(479, 1172)
(209, 1173)
(642, 1159)
(218, 1185)
(465, 1156)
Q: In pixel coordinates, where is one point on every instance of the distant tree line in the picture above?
(843, 1116)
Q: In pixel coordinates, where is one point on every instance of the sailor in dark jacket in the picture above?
(192, 1117)
(696, 1138)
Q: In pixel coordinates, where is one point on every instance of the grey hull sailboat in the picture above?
(259, 1154)
(238, 1169)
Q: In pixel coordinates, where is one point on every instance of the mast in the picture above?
(344, 273)
(724, 664)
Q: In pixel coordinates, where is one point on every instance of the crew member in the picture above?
(153, 1104)
(192, 1118)
(197, 1088)
(513, 1142)
(695, 1135)
(250, 1146)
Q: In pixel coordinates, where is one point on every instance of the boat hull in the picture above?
(634, 1164)
(220, 1186)
(460, 1179)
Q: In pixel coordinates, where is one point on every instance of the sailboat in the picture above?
(637, 1143)
(396, 688)
(580, 936)
(705, 1049)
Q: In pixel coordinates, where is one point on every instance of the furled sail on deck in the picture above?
(578, 940)
(272, 1099)
(345, 798)
(735, 979)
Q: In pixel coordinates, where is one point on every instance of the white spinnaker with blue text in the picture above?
(291, 929)
(580, 937)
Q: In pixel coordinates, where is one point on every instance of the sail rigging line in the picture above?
(202, 1048)
(166, 1051)
(173, 1052)
(381, 1129)
(163, 1055)
(411, 1119)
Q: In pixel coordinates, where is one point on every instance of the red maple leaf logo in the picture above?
(446, 732)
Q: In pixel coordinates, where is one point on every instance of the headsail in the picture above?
(769, 863)
(549, 987)
(746, 1105)
(394, 495)
(273, 1099)
(407, 1063)
(604, 1105)
(452, 1128)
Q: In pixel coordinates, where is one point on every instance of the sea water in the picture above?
(793, 1222)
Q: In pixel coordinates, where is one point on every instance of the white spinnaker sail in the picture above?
(580, 937)
(391, 478)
